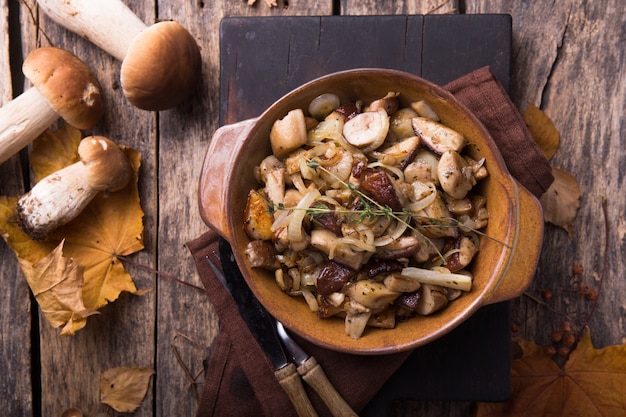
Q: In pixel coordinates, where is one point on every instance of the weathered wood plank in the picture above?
(576, 72)
(123, 335)
(15, 317)
(375, 7)
(186, 323)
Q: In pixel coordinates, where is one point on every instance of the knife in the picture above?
(313, 374)
(261, 325)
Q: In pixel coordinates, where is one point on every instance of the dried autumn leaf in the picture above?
(542, 130)
(124, 388)
(53, 150)
(56, 283)
(111, 226)
(592, 383)
(561, 201)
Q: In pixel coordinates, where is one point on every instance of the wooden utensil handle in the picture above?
(315, 376)
(289, 379)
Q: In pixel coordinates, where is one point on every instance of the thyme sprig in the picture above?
(372, 209)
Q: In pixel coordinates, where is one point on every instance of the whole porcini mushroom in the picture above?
(161, 63)
(63, 86)
(61, 196)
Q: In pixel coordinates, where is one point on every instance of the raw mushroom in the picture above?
(161, 63)
(61, 196)
(63, 86)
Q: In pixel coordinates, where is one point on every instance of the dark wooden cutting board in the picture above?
(262, 58)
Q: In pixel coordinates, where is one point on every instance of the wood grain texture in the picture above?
(15, 317)
(576, 73)
(568, 58)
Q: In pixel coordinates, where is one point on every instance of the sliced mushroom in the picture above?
(401, 283)
(272, 174)
(261, 254)
(401, 153)
(403, 247)
(423, 168)
(322, 105)
(333, 277)
(467, 249)
(423, 109)
(329, 243)
(433, 299)
(436, 136)
(356, 319)
(257, 218)
(389, 103)
(368, 130)
(371, 294)
(435, 220)
(455, 175)
(377, 184)
(288, 133)
(400, 123)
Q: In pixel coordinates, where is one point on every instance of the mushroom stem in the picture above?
(64, 195)
(109, 24)
(22, 120)
(61, 196)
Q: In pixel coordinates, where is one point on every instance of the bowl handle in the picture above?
(522, 267)
(216, 173)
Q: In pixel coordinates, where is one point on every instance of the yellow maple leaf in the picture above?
(53, 150)
(111, 226)
(542, 130)
(56, 283)
(124, 388)
(592, 382)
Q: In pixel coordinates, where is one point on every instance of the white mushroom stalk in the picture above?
(63, 87)
(160, 63)
(61, 196)
(22, 120)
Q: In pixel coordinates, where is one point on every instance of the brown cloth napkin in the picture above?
(240, 379)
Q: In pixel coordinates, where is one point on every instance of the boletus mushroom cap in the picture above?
(106, 166)
(67, 83)
(161, 68)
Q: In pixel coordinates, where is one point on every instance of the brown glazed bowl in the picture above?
(503, 267)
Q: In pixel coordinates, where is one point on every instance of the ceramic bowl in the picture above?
(503, 267)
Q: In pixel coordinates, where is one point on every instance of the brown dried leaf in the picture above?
(56, 283)
(542, 130)
(592, 382)
(124, 388)
(561, 201)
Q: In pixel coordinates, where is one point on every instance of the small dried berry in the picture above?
(568, 339)
(563, 351)
(550, 350)
(546, 294)
(577, 269)
(556, 336)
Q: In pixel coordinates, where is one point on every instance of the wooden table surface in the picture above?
(568, 59)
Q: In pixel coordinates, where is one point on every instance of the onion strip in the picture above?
(294, 231)
(449, 280)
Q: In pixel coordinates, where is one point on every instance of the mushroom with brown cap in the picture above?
(63, 87)
(61, 196)
(161, 63)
